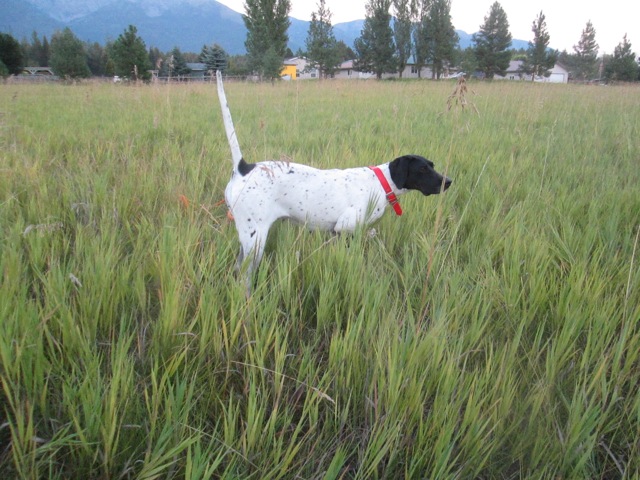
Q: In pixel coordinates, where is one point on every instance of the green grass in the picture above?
(491, 332)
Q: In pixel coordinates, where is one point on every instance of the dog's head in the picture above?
(414, 172)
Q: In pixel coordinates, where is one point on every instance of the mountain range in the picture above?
(165, 24)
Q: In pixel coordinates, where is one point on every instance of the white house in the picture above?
(346, 71)
(559, 74)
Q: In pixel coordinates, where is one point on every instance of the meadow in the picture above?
(491, 332)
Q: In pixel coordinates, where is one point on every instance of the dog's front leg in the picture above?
(252, 244)
(347, 222)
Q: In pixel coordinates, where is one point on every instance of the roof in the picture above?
(197, 66)
(37, 71)
(514, 66)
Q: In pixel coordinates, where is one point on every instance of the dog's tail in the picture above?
(236, 155)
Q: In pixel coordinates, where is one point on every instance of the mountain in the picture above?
(165, 24)
(182, 25)
(20, 19)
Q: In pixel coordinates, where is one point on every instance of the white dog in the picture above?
(258, 194)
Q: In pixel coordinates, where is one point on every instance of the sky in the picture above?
(565, 18)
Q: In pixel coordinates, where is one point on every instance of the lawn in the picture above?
(490, 332)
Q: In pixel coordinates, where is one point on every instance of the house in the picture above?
(411, 70)
(198, 71)
(347, 71)
(559, 74)
(40, 71)
(298, 68)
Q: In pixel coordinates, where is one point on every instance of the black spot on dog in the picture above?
(244, 167)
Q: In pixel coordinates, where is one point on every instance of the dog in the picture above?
(337, 200)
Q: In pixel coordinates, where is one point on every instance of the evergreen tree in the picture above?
(420, 37)
(467, 60)
(97, 59)
(34, 50)
(267, 22)
(345, 52)
(585, 61)
(492, 42)
(37, 52)
(375, 48)
(402, 31)
(540, 60)
(622, 66)
(156, 58)
(11, 55)
(322, 47)
(178, 64)
(214, 57)
(68, 58)
(129, 56)
(238, 65)
(441, 38)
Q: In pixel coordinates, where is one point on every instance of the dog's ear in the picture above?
(399, 169)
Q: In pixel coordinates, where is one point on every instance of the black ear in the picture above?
(399, 169)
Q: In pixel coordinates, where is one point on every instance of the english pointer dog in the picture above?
(337, 200)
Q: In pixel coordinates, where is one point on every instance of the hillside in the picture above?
(187, 24)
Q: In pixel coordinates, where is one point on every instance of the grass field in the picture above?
(490, 332)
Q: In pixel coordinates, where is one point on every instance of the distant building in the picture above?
(559, 74)
(298, 68)
(41, 71)
(198, 71)
(347, 71)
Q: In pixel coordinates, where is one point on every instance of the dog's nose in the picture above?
(447, 183)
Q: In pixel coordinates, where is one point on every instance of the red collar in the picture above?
(391, 197)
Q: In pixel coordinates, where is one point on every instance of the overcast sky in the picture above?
(565, 18)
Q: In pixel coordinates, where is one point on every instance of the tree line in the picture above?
(395, 33)
(126, 57)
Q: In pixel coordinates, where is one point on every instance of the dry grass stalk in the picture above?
(459, 97)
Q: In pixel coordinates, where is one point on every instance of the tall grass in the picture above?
(491, 332)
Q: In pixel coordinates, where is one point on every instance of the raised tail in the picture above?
(236, 155)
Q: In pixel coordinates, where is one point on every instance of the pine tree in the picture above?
(540, 60)
(585, 61)
(156, 58)
(492, 42)
(402, 31)
(178, 64)
(214, 57)
(420, 38)
(68, 58)
(375, 48)
(441, 37)
(267, 22)
(38, 51)
(96, 59)
(622, 66)
(322, 47)
(129, 55)
(11, 56)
